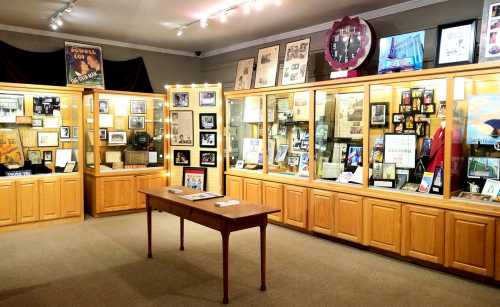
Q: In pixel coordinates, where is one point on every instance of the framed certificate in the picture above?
(400, 149)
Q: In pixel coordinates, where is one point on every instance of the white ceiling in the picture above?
(149, 22)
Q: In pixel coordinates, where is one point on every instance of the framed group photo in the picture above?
(208, 121)
(378, 114)
(181, 100)
(208, 139)
(182, 157)
(208, 158)
(208, 99)
(195, 178)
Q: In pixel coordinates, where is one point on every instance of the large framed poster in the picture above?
(182, 128)
(296, 57)
(400, 149)
(244, 74)
(349, 115)
(11, 150)
(84, 67)
(267, 67)
(490, 32)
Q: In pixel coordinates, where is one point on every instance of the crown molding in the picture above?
(386, 11)
(94, 40)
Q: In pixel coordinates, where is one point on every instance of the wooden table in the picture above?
(226, 220)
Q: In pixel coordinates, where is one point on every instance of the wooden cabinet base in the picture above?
(41, 224)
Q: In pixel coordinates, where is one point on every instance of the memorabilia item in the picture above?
(181, 100)
(113, 156)
(136, 157)
(195, 178)
(425, 184)
(117, 138)
(64, 132)
(378, 150)
(201, 196)
(348, 43)
(349, 115)
(417, 98)
(51, 122)
(389, 171)
(244, 74)
(441, 112)
(63, 156)
(401, 52)
(153, 157)
(11, 106)
(37, 122)
(398, 118)
(420, 129)
(208, 158)
(437, 182)
(138, 107)
(282, 151)
(103, 106)
(106, 121)
(483, 167)
(426, 147)
(208, 99)
(267, 67)
(84, 65)
(103, 133)
(208, 121)
(378, 171)
(136, 122)
(402, 177)
(240, 164)
(419, 170)
(456, 43)
(409, 121)
(252, 151)
(344, 177)
(406, 98)
(354, 156)
(428, 108)
(252, 112)
(35, 156)
(405, 109)
(208, 139)
(28, 137)
(304, 164)
(400, 149)
(293, 160)
(47, 139)
(491, 188)
(398, 128)
(69, 167)
(410, 187)
(422, 118)
(47, 156)
(483, 119)
(378, 114)
(22, 120)
(46, 105)
(295, 66)
(301, 106)
(474, 196)
(181, 128)
(490, 39)
(182, 157)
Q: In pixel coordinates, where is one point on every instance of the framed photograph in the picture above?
(240, 164)
(244, 74)
(378, 171)
(138, 107)
(349, 116)
(400, 149)
(47, 139)
(403, 108)
(301, 106)
(103, 133)
(409, 121)
(483, 119)
(296, 58)
(117, 138)
(456, 43)
(378, 114)
(11, 106)
(389, 171)
(420, 129)
(84, 65)
(47, 156)
(208, 99)
(208, 158)
(182, 157)
(428, 96)
(181, 128)
(46, 105)
(406, 98)
(137, 122)
(402, 177)
(208, 139)
(398, 118)
(354, 156)
(70, 167)
(399, 127)
(491, 188)
(64, 132)
(422, 118)
(37, 122)
(35, 156)
(490, 39)
(483, 167)
(428, 108)
(103, 106)
(195, 178)
(441, 111)
(395, 56)
(267, 67)
(417, 98)
(181, 99)
(208, 121)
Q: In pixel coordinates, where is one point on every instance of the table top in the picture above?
(242, 210)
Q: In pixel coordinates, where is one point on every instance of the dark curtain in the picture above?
(49, 68)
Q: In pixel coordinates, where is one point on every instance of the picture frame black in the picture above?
(428, 96)
(428, 108)
(62, 134)
(203, 123)
(213, 99)
(184, 154)
(103, 134)
(405, 109)
(141, 121)
(379, 124)
(398, 118)
(203, 139)
(420, 128)
(350, 163)
(406, 98)
(194, 171)
(103, 106)
(472, 45)
(409, 123)
(204, 154)
(180, 99)
(138, 104)
(47, 155)
(417, 97)
(37, 122)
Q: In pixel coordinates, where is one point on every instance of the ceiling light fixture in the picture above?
(204, 22)
(56, 21)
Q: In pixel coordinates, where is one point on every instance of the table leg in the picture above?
(225, 259)
(263, 254)
(182, 234)
(148, 209)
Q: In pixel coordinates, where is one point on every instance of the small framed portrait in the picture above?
(35, 156)
(428, 108)
(428, 96)
(64, 132)
(47, 139)
(398, 118)
(103, 134)
(117, 138)
(208, 158)
(399, 127)
(137, 122)
(456, 43)
(406, 98)
(354, 156)
(75, 133)
(195, 178)
(182, 157)
(181, 100)
(409, 121)
(389, 171)
(137, 107)
(47, 155)
(208, 99)
(208, 121)
(441, 111)
(378, 114)
(70, 167)
(103, 106)
(208, 139)
(417, 98)
(420, 128)
(405, 109)
(37, 122)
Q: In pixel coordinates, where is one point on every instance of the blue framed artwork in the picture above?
(401, 52)
(483, 120)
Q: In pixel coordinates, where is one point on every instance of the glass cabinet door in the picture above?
(245, 128)
(88, 122)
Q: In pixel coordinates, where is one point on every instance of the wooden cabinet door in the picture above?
(50, 198)
(272, 197)
(142, 182)
(469, 242)
(8, 203)
(234, 187)
(382, 224)
(321, 207)
(28, 205)
(117, 193)
(252, 191)
(423, 233)
(348, 217)
(497, 252)
(71, 197)
(296, 206)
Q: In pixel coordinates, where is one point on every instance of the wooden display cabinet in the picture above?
(382, 224)
(8, 209)
(272, 197)
(348, 222)
(321, 211)
(295, 211)
(234, 187)
(126, 149)
(252, 190)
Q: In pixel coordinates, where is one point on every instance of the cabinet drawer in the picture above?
(382, 224)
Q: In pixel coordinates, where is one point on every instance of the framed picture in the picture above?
(378, 171)
(64, 132)
(399, 127)
(389, 171)
(208, 99)
(70, 166)
(428, 96)
(35, 156)
(181, 128)
(400, 149)
(11, 106)
(441, 111)
(490, 39)
(208, 121)
(47, 139)
(483, 119)
(483, 167)
(428, 108)
(103, 133)
(417, 98)
(403, 108)
(378, 114)
(117, 138)
(349, 116)
(409, 121)
(491, 188)
(182, 157)
(181, 99)
(420, 128)
(46, 105)
(296, 58)
(267, 67)
(395, 56)
(437, 181)
(402, 177)
(354, 156)
(422, 118)
(208, 139)
(240, 164)
(11, 150)
(406, 98)
(195, 178)
(137, 122)
(398, 118)
(208, 158)
(47, 156)
(37, 122)
(456, 43)
(103, 107)
(84, 65)
(244, 74)
(138, 107)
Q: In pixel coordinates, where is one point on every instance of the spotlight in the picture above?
(180, 32)
(53, 26)
(277, 2)
(223, 17)
(59, 21)
(246, 8)
(203, 22)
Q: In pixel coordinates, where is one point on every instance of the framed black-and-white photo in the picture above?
(296, 57)
(137, 122)
(117, 138)
(103, 106)
(208, 121)
(103, 133)
(11, 106)
(182, 157)
(267, 67)
(456, 43)
(64, 132)
(47, 139)
(181, 128)
(208, 99)
(398, 118)
(138, 107)
(378, 114)
(47, 156)
(208, 158)
(244, 74)
(181, 99)
(208, 139)
(46, 105)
